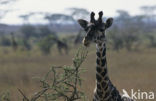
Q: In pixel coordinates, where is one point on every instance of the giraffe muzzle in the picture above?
(86, 42)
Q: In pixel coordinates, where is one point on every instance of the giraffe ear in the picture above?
(83, 23)
(109, 22)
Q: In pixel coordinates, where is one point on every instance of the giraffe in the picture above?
(95, 32)
(13, 41)
(61, 46)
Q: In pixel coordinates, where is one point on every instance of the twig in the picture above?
(24, 97)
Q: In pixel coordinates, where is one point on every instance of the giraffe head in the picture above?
(95, 29)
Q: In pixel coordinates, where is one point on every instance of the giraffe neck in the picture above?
(101, 64)
(104, 87)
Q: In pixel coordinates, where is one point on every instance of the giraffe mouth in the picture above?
(85, 42)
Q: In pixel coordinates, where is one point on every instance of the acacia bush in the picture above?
(62, 83)
(5, 96)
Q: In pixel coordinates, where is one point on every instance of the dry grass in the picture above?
(128, 70)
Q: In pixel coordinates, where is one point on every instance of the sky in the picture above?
(109, 7)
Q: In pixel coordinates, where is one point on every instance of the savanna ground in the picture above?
(127, 70)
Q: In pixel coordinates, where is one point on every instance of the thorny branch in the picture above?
(62, 82)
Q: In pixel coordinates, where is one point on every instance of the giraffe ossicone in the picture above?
(95, 32)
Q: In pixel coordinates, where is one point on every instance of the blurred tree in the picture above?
(129, 28)
(4, 41)
(26, 45)
(59, 19)
(123, 13)
(6, 2)
(152, 40)
(5, 7)
(148, 10)
(149, 14)
(46, 43)
(123, 19)
(138, 22)
(44, 31)
(129, 40)
(26, 17)
(28, 31)
(78, 13)
(116, 39)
